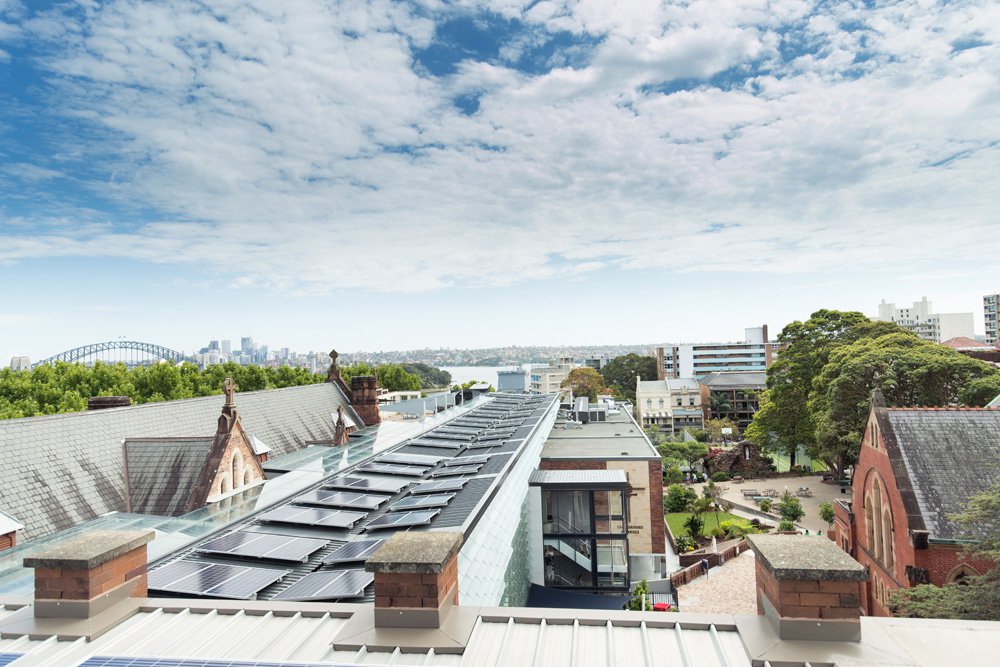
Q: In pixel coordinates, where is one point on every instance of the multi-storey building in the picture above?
(548, 379)
(732, 396)
(755, 353)
(670, 405)
(923, 321)
(990, 303)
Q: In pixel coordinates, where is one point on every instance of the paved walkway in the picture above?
(729, 589)
(821, 492)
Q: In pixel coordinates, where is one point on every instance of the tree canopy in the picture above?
(429, 375)
(619, 374)
(584, 381)
(819, 388)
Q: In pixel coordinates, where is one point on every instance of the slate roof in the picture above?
(735, 380)
(161, 474)
(947, 455)
(61, 470)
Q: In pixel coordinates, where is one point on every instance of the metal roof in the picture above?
(577, 477)
(720, 380)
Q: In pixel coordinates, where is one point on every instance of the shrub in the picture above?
(684, 543)
(827, 513)
(720, 476)
(673, 475)
(765, 505)
(677, 498)
(738, 529)
(694, 525)
(786, 525)
(641, 588)
(717, 532)
(790, 508)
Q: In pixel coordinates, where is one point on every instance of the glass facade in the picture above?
(584, 537)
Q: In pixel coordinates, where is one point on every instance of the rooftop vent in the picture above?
(105, 402)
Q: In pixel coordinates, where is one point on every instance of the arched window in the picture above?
(224, 485)
(887, 537)
(237, 464)
(960, 574)
(247, 477)
(877, 518)
(878, 521)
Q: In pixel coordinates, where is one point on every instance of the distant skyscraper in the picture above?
(923, 321)
(990, 303)
(227, 347)
(213, 345)
(246, 345)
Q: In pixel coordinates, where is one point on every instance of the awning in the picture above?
(559, 598)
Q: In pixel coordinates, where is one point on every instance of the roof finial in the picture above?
(229, 388)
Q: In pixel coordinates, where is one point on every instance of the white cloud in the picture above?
(304, 150)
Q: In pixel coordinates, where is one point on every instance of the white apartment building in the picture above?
(755, 353)
(670, 405)
(990, 303)
(923, 321)
(20, 364)
(547, 379)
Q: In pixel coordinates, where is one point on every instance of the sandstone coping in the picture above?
(799, 558)
(415, 553)
(90, 550)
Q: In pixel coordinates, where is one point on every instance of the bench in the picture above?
(747, 493)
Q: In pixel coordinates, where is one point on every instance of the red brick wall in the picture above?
(364, 398)
(427, 591)
(67, 584)
(807, 599)
(658, 525)
(941, 559)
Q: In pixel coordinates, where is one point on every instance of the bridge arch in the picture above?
(151, 350)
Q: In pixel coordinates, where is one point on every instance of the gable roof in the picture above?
(965, 343)
(946, 456)
(69, 468)
(162, 473)
(735, 379)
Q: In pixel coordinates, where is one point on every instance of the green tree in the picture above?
(620, 373)
(980, 391)
(393, 378)
(694, 525)
(976, 597)
(584, 381)
(429, 375)
(826, 513)
(789, 508)
(677, 498)
(715, 427)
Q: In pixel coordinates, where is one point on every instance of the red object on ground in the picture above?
(661, 606)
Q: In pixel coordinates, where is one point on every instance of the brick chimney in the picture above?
(416, 579)
(87, 575)
(808, 588)
(364, 398)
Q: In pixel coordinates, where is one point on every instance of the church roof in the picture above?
(162, 473)
(62, 470)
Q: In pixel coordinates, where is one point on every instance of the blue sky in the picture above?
(391, 175)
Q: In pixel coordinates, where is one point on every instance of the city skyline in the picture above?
(408, 175)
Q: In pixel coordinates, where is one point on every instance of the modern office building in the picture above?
(548, 379)
(732, 395)
(513, 380)
(754, 353)
(670, 405)
(921, 319)
(990, 303)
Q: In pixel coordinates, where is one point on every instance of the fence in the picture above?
(695, 570)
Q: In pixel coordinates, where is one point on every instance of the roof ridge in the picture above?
(957, 408)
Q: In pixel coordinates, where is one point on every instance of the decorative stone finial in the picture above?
(229, 388)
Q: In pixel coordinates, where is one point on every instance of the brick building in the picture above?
(917, 467)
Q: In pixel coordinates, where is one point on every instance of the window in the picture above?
(661, 402)
(584, 538)
(690, 400)
(878, 522)
(237, 464)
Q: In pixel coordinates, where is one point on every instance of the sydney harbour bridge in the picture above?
(130, 352)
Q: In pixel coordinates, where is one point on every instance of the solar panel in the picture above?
(361, 501)
(486, 444)
(353, 552)
(467, 460)
(313, 516)
(212, 579)
(434, 487)
(437, 433)
(7, 658)
(382, 485)
(328, 585)
(420, 502)
(454, 471)
(392, 469)
(440, 444)
(459, 430)
(263, 545)
(409, 459)
(401, 519)
(497, 435)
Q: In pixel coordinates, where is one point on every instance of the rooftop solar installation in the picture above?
(461, 437)
(7, 658)
(496, 435)
(353, 552)
(263, 545)
(213, 580)
(420, 502)
(410, 459)
(440, 444)
(402, 520)
(381, 485)
(434, 487)
(313, 516)
(467, 460)
(348, 499)
(486, 444)
(328, 585)
(392, 469)
(459, 430)
(454, 471)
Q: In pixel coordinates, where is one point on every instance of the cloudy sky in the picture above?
(391, 175)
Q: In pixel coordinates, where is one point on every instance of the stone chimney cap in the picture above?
(415, 553)
(799, 558)
(90, 550)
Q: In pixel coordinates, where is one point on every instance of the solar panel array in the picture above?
(380, 485)
(467, 460)
(213, 580)
(393, 469)
(401, 520)
(410, 459)
(348, 499)
(457, 470)
(328, 585)
(263, 545)
(353, 552)
(434, 487)
(313, 516)
(419, 502)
